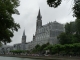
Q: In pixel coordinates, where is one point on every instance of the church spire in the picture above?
(24, 37)
(39, 15)
(39, 21)
(24, 33)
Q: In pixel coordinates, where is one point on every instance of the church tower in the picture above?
(39, 21)
(24, 37)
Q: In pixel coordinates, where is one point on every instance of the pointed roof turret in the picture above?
(24, 33)
(39, 15)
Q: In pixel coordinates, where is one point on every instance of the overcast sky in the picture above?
(28, 15)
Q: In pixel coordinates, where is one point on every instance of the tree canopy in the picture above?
(7, 23)
(58, 49)
(71, 34)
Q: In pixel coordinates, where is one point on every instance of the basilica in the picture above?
(44, 34)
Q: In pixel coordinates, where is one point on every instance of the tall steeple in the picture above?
(24, 33)
(39, 21)
(24, 37)
(39, 17)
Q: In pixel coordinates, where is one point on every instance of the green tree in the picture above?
(65, 38)
(77, 23)
(54, 3)
(70, 28)
(71, 34)
(49, 47)
(76, 7)
(44, 46)
(7, 23)
(37, 46)
(67, 28)
(57, 48)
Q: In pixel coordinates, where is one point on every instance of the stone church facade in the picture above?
(22, 45)
(44, 34)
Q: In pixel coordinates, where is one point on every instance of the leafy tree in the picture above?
(7, 23)
(71, 34)
(54, 3)
(65, 38)
(49, 48)
(67, 28)
(40, 49)
(44, 46)
(76, 38)
(76, 7)
(37, 46)
(77, 23)
(67, 48)
(57, 48)
(72, 27)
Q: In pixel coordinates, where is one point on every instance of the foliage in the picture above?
(7, 23)
(36, 49)
(40, 49)
(66, 49)
(18, 51)
(70, 28)
(54, 3)
(65, 38)
(76, 9)
(71, 34)
(77, 23)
